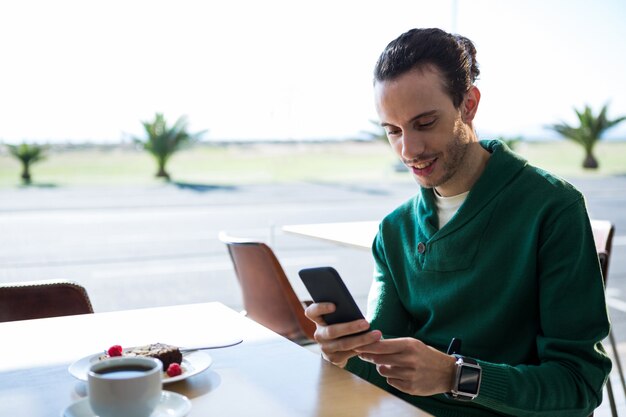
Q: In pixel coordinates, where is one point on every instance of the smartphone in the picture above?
(325, 285)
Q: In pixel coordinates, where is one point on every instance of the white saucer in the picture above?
(171, 405)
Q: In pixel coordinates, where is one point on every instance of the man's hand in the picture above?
(335, 340)
(410, 365)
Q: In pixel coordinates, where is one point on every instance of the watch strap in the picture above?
(466, 359)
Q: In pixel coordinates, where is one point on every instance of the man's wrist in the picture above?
(451, 371)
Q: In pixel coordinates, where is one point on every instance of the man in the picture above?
(491, 251)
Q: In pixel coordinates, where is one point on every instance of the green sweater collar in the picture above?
(503, 166)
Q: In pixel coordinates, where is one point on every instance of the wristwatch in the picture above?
(466, 379)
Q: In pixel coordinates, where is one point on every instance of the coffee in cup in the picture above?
(125, 386)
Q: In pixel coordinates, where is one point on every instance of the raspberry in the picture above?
(115, 350)
(174, 369)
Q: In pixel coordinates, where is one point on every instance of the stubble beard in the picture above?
(455, 156)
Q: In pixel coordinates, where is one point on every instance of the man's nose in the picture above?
(412, 146)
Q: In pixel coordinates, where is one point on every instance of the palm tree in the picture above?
(163, 141)
(27, 155)
(589, 132)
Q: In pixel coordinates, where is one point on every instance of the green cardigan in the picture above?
(515, 276)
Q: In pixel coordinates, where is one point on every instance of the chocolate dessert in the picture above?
(166, 353)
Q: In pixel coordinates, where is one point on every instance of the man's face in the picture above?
(424, 128)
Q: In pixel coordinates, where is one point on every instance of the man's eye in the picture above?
(393, 132)
(426, 124)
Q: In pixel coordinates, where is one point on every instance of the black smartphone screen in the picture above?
(325, 285)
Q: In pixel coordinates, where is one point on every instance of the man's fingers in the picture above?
(315, 311)
(386, 359)
(338, 351)
(339, 341)
(338, 330)
(384, 347)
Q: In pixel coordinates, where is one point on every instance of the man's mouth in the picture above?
(423, 165)
(423, 168)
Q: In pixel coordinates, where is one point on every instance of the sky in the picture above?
(87, 71)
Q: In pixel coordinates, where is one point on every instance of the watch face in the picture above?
(469, 380)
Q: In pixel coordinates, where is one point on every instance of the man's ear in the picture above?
(470, 104)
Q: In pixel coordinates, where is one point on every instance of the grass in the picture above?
(278, 163)
(565, 157)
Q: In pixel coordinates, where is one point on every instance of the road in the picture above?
(151, 246)
(140, 247)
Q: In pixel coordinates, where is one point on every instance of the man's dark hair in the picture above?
(453, 55)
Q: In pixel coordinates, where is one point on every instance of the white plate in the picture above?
(193, 363)
(171, 405)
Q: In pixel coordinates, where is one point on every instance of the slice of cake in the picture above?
(165, 353)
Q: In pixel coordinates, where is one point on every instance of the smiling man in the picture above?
(491, 252)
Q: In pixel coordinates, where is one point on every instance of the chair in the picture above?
(603, 232)
(268, 296)
(41, 299)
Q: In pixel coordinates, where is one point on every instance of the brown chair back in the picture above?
(603, 232)
(41, 299)
(268, 296)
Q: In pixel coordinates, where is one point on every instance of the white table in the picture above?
(265, 375)
(353, 234)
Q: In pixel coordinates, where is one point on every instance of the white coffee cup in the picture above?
(125, 386)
